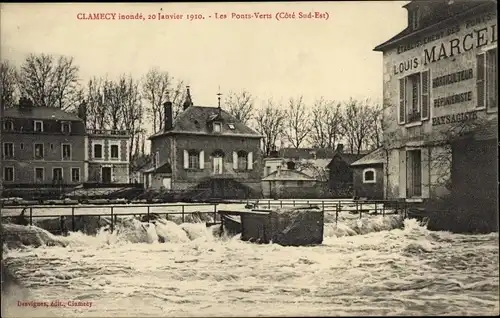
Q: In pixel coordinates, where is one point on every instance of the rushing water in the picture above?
(393, 271)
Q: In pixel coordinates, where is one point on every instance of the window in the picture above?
(98, 151)
(241, 161)
(157, 159)
(65, 128)
(413, 173)
(414, 98)
(38, 151)
(66, 152)
(8, 174)
(487, 82)
(114, 151)
(21, 146)
(218, 161)
(39, 175)
(75, 174)
(231, 126)
(8, 150)
(268, 171)
(51, 146)
(38, 126)
(194, 159)
(217, 127)
(57, 174)
(8, 125)
(369, 175)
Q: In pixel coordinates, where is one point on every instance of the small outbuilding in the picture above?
(368, 175)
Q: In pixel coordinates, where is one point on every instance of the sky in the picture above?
(280, 59)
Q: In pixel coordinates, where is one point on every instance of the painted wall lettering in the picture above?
(406, 66)
(452, 78)
(476, 38)
(453, 99)
(454, 118)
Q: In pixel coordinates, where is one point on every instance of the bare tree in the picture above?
(96, 106)
(326, 124)
(7, 84)
(376, 127)
(124, 108)
(240, 105)
(270, 123)
(49, 81)
(357, 124)
(156, 88)
(297, 123)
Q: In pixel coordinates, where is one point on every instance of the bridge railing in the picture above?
(113, 212)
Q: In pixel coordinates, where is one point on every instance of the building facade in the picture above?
(42, 145)
(46, 145)
(206, 148)
(107, 156)
(440, 83)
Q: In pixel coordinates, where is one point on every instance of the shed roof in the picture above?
(288, 175)
(377, 156)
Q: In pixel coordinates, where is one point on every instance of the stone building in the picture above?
(440, 86)
(42, 145)
(205, 149)
(368, 175)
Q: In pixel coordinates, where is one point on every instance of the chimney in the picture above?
(25, 103)
(340, 148)
(82, 111)
(188, 102)
(290, 165)
(167, 107)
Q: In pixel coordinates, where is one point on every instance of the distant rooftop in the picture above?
(375, 157)
(41, 113)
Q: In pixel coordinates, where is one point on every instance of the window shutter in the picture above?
(402, 100)
(480, 83)
(202, 159)
(491, 84)
(235, 160)
(250, 161)
(186, 159)
(425, 95)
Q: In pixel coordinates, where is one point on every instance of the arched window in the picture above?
(8, 125)
(242, 160)
(369, 175)
(194, 159)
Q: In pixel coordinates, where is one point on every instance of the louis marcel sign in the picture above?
(476, 38)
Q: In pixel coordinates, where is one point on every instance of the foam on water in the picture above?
(370, 266)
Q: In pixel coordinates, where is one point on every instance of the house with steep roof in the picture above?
(368, 175)
(205, 148)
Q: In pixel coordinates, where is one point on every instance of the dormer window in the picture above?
(414, 18)
(231, 126)
(217, 127)
(38, 126)
(8, 125)
(65, 128)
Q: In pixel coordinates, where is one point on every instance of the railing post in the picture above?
(293, 202)
(376, 208)
(269, 204)
(383, 208)
(360, 210)
(112, 219)
(148, 213)
(215, 212)
(323, 205)
(337, 208)
(31, 216)
(182, 213)
(281, 203)
(73, 218)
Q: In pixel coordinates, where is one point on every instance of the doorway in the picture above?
(106, 174)
(413, 173)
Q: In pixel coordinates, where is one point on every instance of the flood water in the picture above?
(381, 266)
